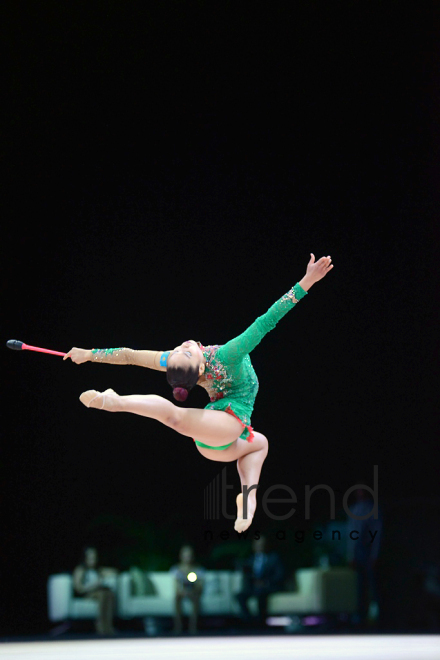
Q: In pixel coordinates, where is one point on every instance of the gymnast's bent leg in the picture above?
(250, 457)
(213, 427)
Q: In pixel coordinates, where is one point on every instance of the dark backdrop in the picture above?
(167, 170)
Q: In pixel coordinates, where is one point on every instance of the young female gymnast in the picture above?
(221, 431)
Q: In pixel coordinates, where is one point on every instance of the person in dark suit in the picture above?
(362, 553)
(263, 575)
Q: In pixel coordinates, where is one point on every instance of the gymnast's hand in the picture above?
(316, 271)
(78, 355)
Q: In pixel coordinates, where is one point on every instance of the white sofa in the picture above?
(320, 591)
(216, 596)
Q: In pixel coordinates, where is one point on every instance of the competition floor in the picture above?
(322, 647)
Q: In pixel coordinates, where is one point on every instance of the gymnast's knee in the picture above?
(262, 441)
(176, 419)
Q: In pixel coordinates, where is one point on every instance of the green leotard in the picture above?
(231, 381)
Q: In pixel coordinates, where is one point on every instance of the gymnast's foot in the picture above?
(101, 400)
(241, 524)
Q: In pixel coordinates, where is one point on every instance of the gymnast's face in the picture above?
(187, 355)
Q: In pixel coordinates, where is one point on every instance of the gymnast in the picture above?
(222, 430)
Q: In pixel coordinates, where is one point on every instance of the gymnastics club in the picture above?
(21, 346)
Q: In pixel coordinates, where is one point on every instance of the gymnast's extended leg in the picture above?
(213, 427)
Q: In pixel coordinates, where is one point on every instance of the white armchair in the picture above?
(63, 605)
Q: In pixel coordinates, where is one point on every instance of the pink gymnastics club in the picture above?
(20, 346)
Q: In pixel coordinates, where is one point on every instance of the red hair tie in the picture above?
(180, 393)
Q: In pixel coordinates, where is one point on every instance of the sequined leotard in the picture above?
(230, 378)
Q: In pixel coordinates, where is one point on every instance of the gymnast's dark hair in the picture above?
(182, 380)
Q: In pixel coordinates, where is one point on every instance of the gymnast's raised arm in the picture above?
(235, 350)
(150, 359)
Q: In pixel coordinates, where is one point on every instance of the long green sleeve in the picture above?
(235, 350)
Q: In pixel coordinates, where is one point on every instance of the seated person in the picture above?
(189, 584)
(89, 582)
(263, 573)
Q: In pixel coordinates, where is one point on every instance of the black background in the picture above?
(167, 170)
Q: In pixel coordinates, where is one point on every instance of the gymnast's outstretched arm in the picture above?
(233, 351)
(150, 359)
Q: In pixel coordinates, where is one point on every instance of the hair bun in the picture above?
(180, 393)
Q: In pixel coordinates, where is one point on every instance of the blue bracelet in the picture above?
(164, 358)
